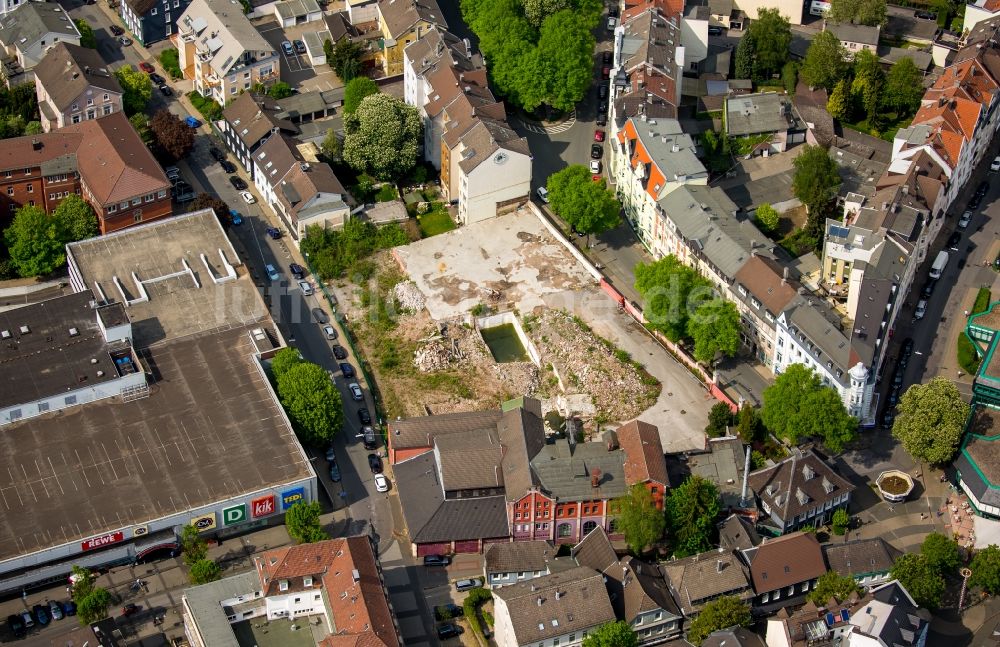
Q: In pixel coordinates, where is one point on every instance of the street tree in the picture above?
(313, 403)
(612, 634)
(213, 202)
(767, 218)
(567, 46)
(76, 218)
(172, 135)
(715, 329)
(285, 359)
(93, 606)
(930, 419)
(137, 89)
(839, 103)
(87, 38)
(691, 510)
(670, 291)
(941, 553)
(586, 205)
(825, 63)
(923, 582)
(903, 87)
(35, 243)
(832, 584)
(383, 137)
(303, 524)
(985, 569)
(204, 571)
(721, 613)
(193, 545)
(815, 180)
(357, 89)
(720, 418)
(798, 405)
(639, 519)
(772, 34)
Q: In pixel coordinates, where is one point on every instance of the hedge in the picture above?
(471, 605)
(982, 301)
(209, 109)
(968, 358)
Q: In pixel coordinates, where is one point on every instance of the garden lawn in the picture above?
(436, 221)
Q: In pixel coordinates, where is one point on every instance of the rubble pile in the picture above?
(409, 296)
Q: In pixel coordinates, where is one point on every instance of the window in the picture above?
(137, 215)
(149, 198)
(136, 201)
(162, 193)
(70, 399)
(246, 75)
(297, 600)
(107, 97)
(90, 102)
(588, 526)
(90, 114)
(75, 107)
(76, 119)
(113, 208)
(15, 414)
(31, 188)
(10, 190)
(232, 90)
(565, 529)
(7, 173)
(27, 171)
(283, 585)
(43, 406)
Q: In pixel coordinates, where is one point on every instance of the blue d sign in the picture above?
(291, 497)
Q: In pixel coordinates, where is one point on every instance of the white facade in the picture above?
(504, 176)
(31, 54)
(694, 39)
(360, 11)
(977, 12)
(791, 9)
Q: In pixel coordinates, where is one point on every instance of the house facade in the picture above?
(30, 29)
(868, 561)
(854, 38)
(801, 490)
(151, 21)
(402, 23)
(247, 123)
(72, 85)
(510, 563)
(222, 52)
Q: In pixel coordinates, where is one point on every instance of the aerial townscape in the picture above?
(500, 323)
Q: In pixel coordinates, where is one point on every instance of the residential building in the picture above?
(247, 123)
(694, 36)
(697, 580)
(762, 291)
(802, 490)
(889, 616)
(102, 160)
(647, 65)
(826, 624)
(73, 84)
(220, 49)
(765, 115)
(788, 8)
(868, 561)
(854, 38)
(557, 610)
(311, 195)
(30, 29)
(151, 21)
(979, 11)
(784, 569)
(337, 582)
(510, 563)
(722, 464)
(640, 441)
(732, 637)
(402, 23)
(737, 532)
(490, 165)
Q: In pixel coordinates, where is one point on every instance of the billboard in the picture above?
(204, 522)
(263, 506)
(293, 496)
(234, 515)
(104, 540)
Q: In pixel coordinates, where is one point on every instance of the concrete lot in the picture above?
(296, 70)
(512, 254)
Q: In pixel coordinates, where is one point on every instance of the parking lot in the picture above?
(296, 70)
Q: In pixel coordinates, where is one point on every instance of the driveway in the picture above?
(296, 70)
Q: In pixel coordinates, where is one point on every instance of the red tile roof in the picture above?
(785, 561)
(643, 453)
(666, 7)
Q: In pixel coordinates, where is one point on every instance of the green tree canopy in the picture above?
(930, 420)
(724, 612)
(285, 359)
(816, 178)
(831, 584)
(903, 87)
(37, 242)
(357, 89)
(798, 405)
(87, 38)
(771, 35)
(93, 606)
(767, 218)
(825, 63)
(720, 418)
(193, 545)
(137, 89)
(213, 202)
(383, 137)
(586, 205)
(839, 103)
(941, 553)
(638, 519)
(344, 57)
(313, 403)
(691, 512)
(538, 10)
(76, 218)
(985, 569)
(612, 634)
(567, 49)
(670, 291)
(746, 52)
(204, 571)
(860, 12)
(279, 90)
(923, 582)
(332, 147)
(840, 521)
(869, 80)
(715, 329)
(302, 523)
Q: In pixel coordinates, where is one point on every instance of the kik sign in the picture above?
(263, 506)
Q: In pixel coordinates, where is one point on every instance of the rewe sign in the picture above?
(104, 540)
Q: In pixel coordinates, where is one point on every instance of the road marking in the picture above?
(562, 126)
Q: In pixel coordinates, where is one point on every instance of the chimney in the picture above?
(559, 594)
(356, 575)
(595, 477)
(744, 499)
(36, 145)
(539, 600)
(784, 275)
(76, 75)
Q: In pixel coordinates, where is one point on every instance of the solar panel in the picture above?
(845, 615)
(829, 620)
(840, 232)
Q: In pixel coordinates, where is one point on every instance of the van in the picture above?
(940, 263)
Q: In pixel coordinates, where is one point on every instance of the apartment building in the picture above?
(402, 22)
(151, 21)
(220, 49)
(73, 85)
(31, 28)
(247, 123)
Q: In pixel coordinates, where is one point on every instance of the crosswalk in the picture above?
(562, 126)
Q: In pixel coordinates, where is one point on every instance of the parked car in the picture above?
(307, 289)
(995, 164)
(921, 310)
(448, 611)
(374, 463)
(595, 166)
(147, 67)
(612, 23)
(156, 78)
(964, 221)
(297, 270)
(272, 273)
(897, 377)
(165, 90)
(55, 610)
(16, 626)
(888, 418)
(331, 454)
(925, 15)
(381, 483)
(974, 201)
(286, 47)
(606, 57)
(235, 217)
(364, 416)
(437, 560)
(124, 41)
(470, 583)
(602, 107)
(334, 473)
(368, 437)
(41, 615)
(216, 154)
(598, 135)
(193, 122)
(116, 30)
(69, 608)
(596, 151)
(714, 30)
(954, 240)
(339, 352)
(613, 11)
(347, 370)
(320, 315)
(273, 233)
(356, 394)
(247, 197)
(448, 630)
(300, 47)
(543, 194)
(907, 346)
(928, 288)
(227, 166)
(27, 619)
(602, 91)
(330, 332)
(982, 188)
(606, 73)
(602, 119)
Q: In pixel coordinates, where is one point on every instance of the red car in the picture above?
(606, 72)
(596, 178)
(598, 135)
(146, 67)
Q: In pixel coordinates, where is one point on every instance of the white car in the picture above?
(272, 273)
(964, 221)
(921, 309)
(995, 166)
(612, 23)
(595, 166)
(543, 194)
(356, 393)
(305, 287)
(381, 483)
(248, 197)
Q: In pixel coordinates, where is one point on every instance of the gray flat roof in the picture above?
(54, 355)
(751, 114)
(176, 306)
(209, 430)
(204, 604)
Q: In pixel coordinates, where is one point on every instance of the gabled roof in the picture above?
(519, 556)
(738, 533)
(440, 47)
(49, 151)
(26, 24)
(486, 138)
(819, 327)
(522, 436)
(851, 33)
(421, 431)
(400, 16)
(311, 188)
(764, 278)
(649, 42)
(566, 471)
(223, 32)
(891, 617)
(253, 119)
(643, 588)
(733, 637)
(643, 453)
(799, 483)
(67, 70)
(595, 551)
(470, 460)
(784, 561)
(861, 557)
(276, 157)
(699, 578)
